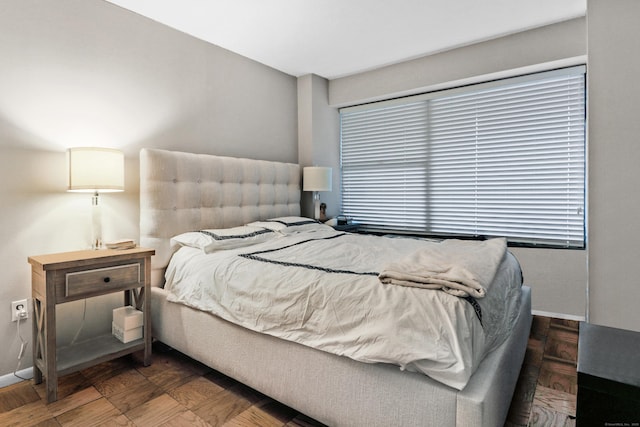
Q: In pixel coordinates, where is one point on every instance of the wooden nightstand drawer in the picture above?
(101, 279)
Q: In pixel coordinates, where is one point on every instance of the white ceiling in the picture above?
(334, 38)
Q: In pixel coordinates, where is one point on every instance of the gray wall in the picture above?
(614, 159)
(84, 73)
(318, 138)
(477, 62)
(558, 277)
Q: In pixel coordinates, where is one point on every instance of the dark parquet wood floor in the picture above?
(178, 391)
(548, 385)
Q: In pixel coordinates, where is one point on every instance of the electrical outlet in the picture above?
(19, 310)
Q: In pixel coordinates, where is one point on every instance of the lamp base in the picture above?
(96, 223)
(316, 205)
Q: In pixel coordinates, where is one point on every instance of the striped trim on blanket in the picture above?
(235, 236)
(255, 256)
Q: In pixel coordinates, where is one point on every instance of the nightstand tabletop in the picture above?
(61, 260)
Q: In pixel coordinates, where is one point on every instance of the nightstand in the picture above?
(70, 276)
(351, 228)
(608, 377)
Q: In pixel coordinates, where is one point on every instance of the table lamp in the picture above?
(316, 179)
(95, 170)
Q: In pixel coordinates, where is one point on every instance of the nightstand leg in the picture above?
(44, 346)
(51, 371)
(141, 300)
(147, 324)
(37, 338)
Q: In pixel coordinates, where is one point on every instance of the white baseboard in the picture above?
(558, 315)
(7, 380)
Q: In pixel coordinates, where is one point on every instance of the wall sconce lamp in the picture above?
(95, 170)
(316, 178)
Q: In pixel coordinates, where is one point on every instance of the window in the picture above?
(503, 158)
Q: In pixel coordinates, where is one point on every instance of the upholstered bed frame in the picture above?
(183, 192)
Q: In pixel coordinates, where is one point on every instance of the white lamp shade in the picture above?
(95, 169)
(316, 178)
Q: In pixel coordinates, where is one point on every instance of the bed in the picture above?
(185, 192)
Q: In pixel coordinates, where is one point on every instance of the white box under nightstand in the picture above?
(127, 324)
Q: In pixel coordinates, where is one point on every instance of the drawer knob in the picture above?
(107, 279)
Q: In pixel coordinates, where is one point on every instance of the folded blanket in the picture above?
(458, 267)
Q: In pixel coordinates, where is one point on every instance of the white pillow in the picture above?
(212, 240)
(289, 224)
(193, 239)
(268, 224)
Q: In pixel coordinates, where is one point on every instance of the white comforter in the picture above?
(320, 288)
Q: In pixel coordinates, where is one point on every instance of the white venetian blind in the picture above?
(384, 152)
(499, 159)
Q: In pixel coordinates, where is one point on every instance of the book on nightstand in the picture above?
(121, 244)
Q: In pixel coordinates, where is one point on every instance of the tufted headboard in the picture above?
(182, 192)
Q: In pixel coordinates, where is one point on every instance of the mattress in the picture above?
(320, 288)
